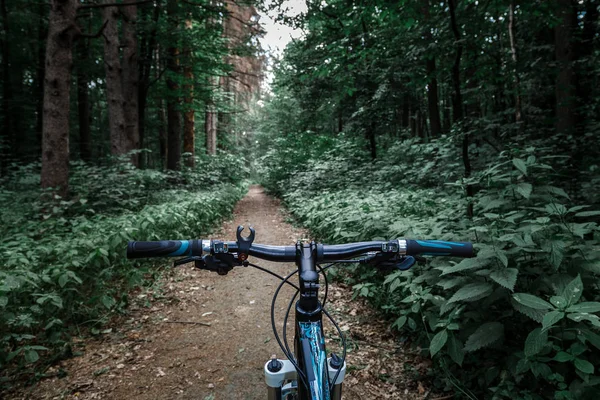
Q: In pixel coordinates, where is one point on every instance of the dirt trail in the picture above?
(156, 352)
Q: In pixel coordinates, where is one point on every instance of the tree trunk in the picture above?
(457, 105)
(189, 115)
(405, 111)
(55, 147)
(432, 85)
(162, 133)
(7, 96)
(83, 102)
(432, 100)
(130, 79)
(513, 49)
(210, 128)
(173, 102)
(372, 141)
(42, 33)
(114, 82)
(565, 89)
(148, 48)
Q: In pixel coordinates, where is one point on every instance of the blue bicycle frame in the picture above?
(312, 356)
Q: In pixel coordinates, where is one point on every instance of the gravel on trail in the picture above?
(197, 335)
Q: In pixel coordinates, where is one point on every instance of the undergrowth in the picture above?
(63, 261)
(520, 320)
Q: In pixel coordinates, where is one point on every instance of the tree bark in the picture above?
(42, 34)
(114, 82)
(83, 103)
(513, 50)
(189, 114)
(210, 128)
(565, 88)
(173, 102)
(162, 133)
(372, 141)
(59, 55)
(130, 79)
(457, 105)
(148, 48)
(7, 95)
(432, 86)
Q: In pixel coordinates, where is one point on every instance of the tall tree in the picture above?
(457, 105)
(564, 51)
(62, 31)
(148, 50)
(432, 85)
(173, 98)
(130, 77)
(114, 81)
(7, 96)
(210, 127)
(189, 138)
(513, 51)
(83, 101)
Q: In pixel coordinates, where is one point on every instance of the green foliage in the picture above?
(63, 261)
(527, 306)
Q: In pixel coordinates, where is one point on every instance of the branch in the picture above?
(96, 35)
(135, 3)
(160, 74)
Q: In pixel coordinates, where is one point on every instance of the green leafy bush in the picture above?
(520, 320)
(63, 262)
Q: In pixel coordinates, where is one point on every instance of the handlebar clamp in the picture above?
(244, 243)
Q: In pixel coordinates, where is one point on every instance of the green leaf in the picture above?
(584, 366)
(485, 335)
(587, 214)
(3, 301)
(524, 189)
(438, 341)
(531, 301)
(585, 307)
(536, 315)
(505, 277)
(471, 292)
(591, 337)
(573, 291)
(559, 302)
(552, 318)
(501, 255)
(63, 280)
(563, 356)
(465, 265)
(31, 356)
(520, 165)
(400, 322)
(535, 342)
(455, 349)
(541, 370)
(107, 301)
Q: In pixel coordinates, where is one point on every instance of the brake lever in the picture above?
(186, 260)
(402, 264)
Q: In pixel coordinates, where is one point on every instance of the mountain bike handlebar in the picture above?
(177, 248)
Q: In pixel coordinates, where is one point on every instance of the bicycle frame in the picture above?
(309, 342)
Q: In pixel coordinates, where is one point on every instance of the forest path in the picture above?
(156, 353)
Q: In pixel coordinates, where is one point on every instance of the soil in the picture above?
(198, 335)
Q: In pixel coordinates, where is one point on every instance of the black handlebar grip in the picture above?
(164, 248)
(439, 248)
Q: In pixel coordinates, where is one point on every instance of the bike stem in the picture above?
(308, 307)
